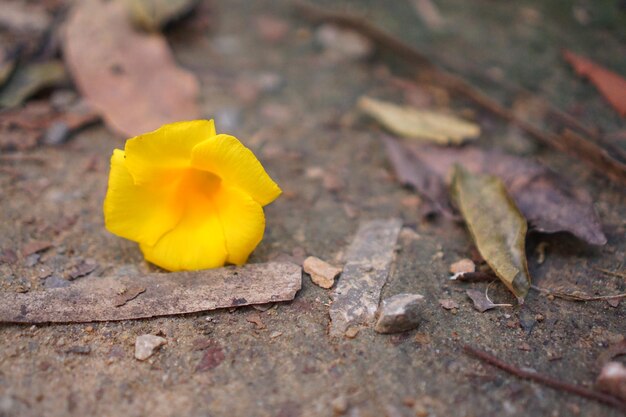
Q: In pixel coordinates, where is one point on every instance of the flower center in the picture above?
(197, 188)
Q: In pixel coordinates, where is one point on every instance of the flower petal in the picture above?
(225, 156)
(242, 220)
(197, 242)
(137, 212)
(167, 148)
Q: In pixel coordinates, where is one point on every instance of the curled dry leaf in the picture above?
(547, 201)
(496, 225)
(128, 76)
(611, 85)
(482, 302)
(413, 123)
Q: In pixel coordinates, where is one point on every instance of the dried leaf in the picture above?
(129, 77)
(547, 201)
(481, 302)
(611, 85)
(412, 173)
(23, 128)
(30, 79)
(96, 299)
(448, 304)
(496, 225)
(413, 123)
(152, 15)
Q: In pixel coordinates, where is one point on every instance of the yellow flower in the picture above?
(191, 198)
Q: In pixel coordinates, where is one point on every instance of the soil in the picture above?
(223, 363)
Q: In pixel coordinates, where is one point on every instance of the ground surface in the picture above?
(305, 124)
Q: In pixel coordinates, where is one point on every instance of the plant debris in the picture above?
(368, 262)
(546, 380)
(583, 149)
(611, 85)
(547, 201)
(127, 294)
(322, 273)
(482, 302)
(152, 15)
(30, 79)
(96, 299)
(497, 227)
(413, 123)
(25, 128)
(449, 304)
(130, 78)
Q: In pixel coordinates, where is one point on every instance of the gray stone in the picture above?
(146, 345)
(368, 262)
(400, 313)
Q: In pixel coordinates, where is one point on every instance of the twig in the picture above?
(577, 297)
(545, 379)
(613, 273)
(576, 145)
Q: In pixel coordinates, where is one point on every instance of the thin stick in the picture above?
(613, 273)
(569, 142)
(577, 297)
(545, 379)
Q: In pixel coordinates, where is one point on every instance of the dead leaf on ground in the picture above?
(414, 123)
(153, 15)
(448, 304)
(412, 173)
(130, 77)
(496, 225)
(29, 80)
(611, 85)
(547, 201)
(482, 302)
(96, 299)
(23, 128)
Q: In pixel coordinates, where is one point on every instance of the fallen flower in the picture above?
(192, 199)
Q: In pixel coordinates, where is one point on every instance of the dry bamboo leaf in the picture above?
(496, 225)
(611, 85)
(413, 123)
(129, 77)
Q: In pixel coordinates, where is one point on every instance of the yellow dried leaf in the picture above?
(413, 123)
(496, 225)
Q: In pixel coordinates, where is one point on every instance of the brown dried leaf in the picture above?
(496, 225)
(95, 299)
(448, 304)
(413, 123)
(611, 85)
(412, 173)
(30, 79)
(547, 201)
(154, 14)
(481, 302)
(129, 77)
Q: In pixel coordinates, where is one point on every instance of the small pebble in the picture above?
(146, 345)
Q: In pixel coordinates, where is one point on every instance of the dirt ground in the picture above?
(303, 122)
